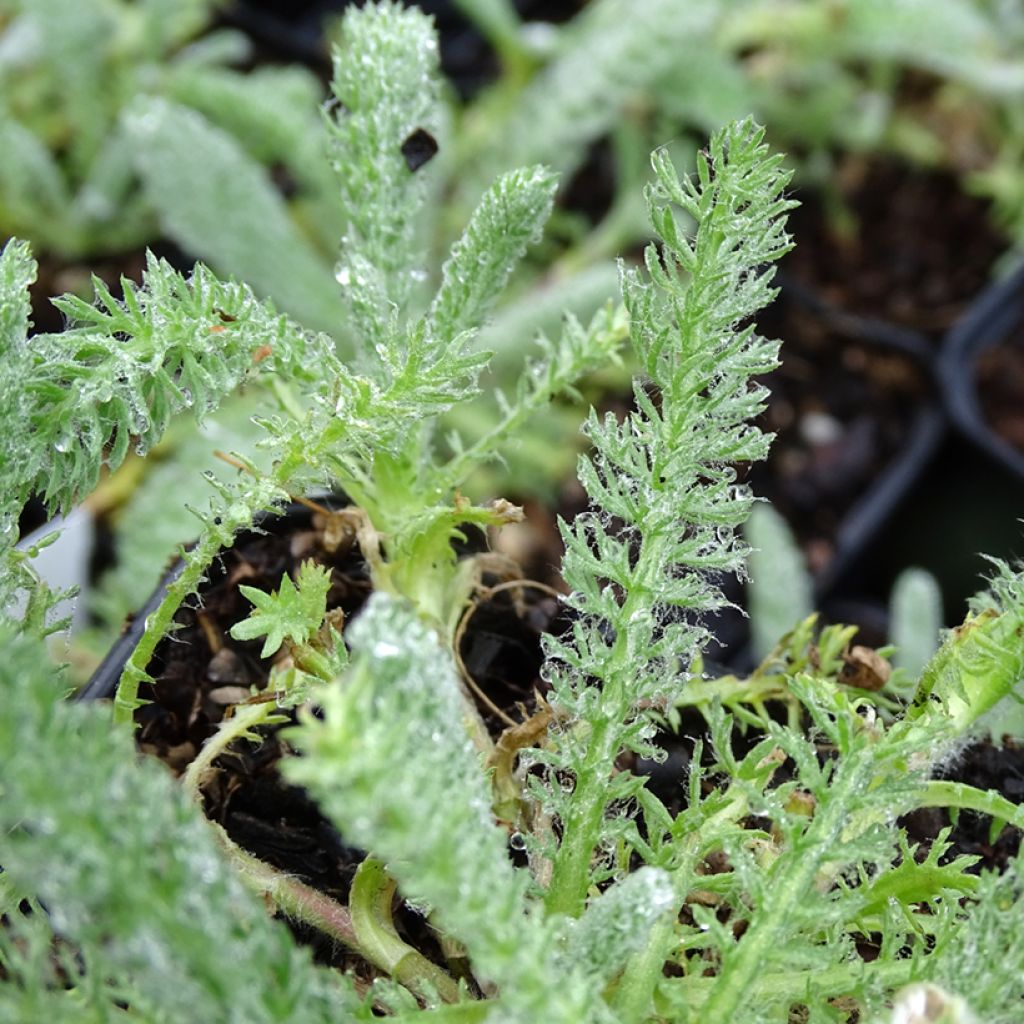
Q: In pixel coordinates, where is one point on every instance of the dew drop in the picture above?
(63, 446)
(343, 275)
(517, 841)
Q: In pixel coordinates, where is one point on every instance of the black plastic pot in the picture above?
(103, 682)
(864, 515)
(990, 322)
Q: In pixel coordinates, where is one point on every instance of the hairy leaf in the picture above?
(150, 895)
(665, 474)
(76, 401)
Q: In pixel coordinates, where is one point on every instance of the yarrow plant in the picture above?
(746, 897)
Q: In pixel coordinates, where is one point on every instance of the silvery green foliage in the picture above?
(954, 38)
(642, 561)
(618, 924)
(390, 759)
(982, 959)
(225, 206)
(386, 86)
(294, 611)
(66, 69)
(786, 931)
(116, 126)
(779, 589)
(386, 95)
(74, 402)
(915, 619)
(541, 309)
(578, 350)
(612, 54)
(149, 526)
(509, 217)
(164, 921)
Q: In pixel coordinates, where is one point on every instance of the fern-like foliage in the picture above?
(385, 94)
(665, 475)
(76, 401)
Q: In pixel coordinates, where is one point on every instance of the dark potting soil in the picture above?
(898, 244)
(982, 765)
(841, 409)
(999, 374)
(201, 672)
(986, 767)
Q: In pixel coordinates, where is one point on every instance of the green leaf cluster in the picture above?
(294, 612)
(77, 401)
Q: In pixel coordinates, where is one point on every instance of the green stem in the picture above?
(218, 534)
(791, 986)
(633, 996)
(570, 875)
(942, 793)
(299, 901)
(158, 624)
(459, 1013)
(454, 473)
(303, 903)
(370, 903)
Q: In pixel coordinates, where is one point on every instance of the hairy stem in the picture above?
(372, 894)
(959, 795)
(570, 876)
(219, 533)
(246, 717)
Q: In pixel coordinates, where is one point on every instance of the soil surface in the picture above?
(203, 672)
(895, 243)
(985, 766)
